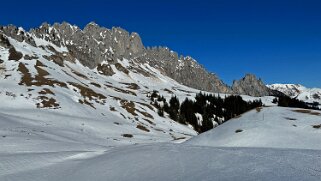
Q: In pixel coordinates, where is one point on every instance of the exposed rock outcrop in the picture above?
(250, 85)
(94, 45)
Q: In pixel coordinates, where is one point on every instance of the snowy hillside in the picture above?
(300, 92)
(291, 90)
(274, 144)
(68, 100)
(271, 127)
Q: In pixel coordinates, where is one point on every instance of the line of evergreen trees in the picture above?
(213, 109)
(285, 101)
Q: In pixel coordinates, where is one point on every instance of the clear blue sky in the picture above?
(278, 40)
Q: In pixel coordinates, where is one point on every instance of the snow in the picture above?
(102, 35)
(272, 127)
(269, 148)
(291, 90)
(199, 118)
(167, 162)
(111, 50)
(42, 42)
(300, 92)
(310, 95)
(20, 30)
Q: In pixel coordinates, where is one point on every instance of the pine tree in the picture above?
(187, 113)
(154, 95)
(174, 108)
(161, 112)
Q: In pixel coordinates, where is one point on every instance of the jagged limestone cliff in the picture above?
(94, 45)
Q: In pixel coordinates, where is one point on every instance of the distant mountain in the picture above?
(250, 85)
(298, 91)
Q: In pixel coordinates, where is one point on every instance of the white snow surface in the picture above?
(269, 149)
(272, 127)
(292, 90)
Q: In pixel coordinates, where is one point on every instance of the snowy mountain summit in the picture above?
(300, 92)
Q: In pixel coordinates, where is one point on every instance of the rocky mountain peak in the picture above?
(94, 45)
(251, 85)
(251, 77)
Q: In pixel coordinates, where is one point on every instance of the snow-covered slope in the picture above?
(170, 162)
(45, 100)
(310, 95)
(291, 90)
(271, 127)
(298, 91)
(267, 149)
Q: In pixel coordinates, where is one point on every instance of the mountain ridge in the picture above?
(117, 43)
(94, 45)
(310, 95)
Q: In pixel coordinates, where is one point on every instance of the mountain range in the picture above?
(95, 45)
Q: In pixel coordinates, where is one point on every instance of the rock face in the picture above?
(94, 45)
(100, 48)
(252, 86)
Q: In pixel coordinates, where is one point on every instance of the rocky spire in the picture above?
(250, 85)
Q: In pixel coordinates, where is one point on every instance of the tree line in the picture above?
(286, 101)
(205, 112)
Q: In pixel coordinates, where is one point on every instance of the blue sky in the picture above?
(278, 40)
